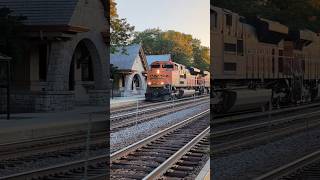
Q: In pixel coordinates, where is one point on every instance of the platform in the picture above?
(26, 126)
(205, 172)
(123, 101)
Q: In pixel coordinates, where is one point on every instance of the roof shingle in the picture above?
(42, 12)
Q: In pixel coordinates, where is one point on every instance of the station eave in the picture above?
(57, 28)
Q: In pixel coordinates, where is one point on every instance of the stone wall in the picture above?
(27, 102)
(52, 101)
(98, 97)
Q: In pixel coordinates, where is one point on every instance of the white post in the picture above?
(87, 147)
(173, 102)
(137, 111)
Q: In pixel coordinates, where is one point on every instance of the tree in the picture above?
(11, 34)
(201, 55)
(113, 9)
(120, 30)
(183, 47)
(296, 14)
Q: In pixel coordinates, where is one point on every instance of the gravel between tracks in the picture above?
(255, 162)
(125, 137)
(37, 162)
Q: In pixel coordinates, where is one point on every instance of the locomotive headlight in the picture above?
(158, 71)
(149, 83)
(162, 83)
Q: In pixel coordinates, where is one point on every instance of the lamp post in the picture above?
(5, 71)
(111, 80)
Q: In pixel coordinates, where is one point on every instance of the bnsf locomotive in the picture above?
(167, 80)
(258, 63)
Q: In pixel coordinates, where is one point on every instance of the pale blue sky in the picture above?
(187, 16)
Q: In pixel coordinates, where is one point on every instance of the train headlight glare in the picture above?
(162, 83)
(158, 71)
(149, 83)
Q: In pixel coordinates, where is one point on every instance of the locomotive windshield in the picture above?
(168, 66)
(155, 66)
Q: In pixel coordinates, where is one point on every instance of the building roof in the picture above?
(125, 60)
(4, 57)
(162, 57)
(42, 12)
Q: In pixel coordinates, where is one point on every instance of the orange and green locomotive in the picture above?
(167, 80)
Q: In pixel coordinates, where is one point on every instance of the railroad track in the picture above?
(188, 162)
(16, 158)
(146, 105)
(154, 107)
(144, 158)
(240, 116)
(92, 168)
(305, 168)
(231, 140)
(148, 114)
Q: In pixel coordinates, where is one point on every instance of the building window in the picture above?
(303, 67)
(280, 65)
(230, 47)
(228, 19)
(123, 80)
(240, 47)
(280, 61)
(214, 18)
(280, 52)
(230, 67)
(43, 54)
(273, 65)
(86, 69)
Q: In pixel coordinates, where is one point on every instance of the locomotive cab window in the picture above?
(228, 19)
(167, 66)
(214, 18)
(240, 47)
(154, 66)
(230, 47)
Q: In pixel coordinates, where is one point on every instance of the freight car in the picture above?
(256, 62)
(167, 80)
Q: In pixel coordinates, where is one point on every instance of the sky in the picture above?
(186, 16)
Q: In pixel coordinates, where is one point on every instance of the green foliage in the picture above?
(113, 8)
(11, 39)
(183, 47)
(297, 14)
(120, 30)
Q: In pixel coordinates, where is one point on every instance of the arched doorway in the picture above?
(136, 82)
(81, 73)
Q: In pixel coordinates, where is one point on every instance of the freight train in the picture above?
(256, 62)
(167, 80)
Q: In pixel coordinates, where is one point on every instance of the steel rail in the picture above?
(146, 117)
(144, 105)
(114, 117)
(262, 124)
(56, 168)
(160, 170)
(291, 167)
(220, 120)
(123, 152)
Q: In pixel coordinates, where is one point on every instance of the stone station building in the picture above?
(132, 67)
(65, 60)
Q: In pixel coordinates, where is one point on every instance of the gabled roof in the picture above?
(125, 57)
(4, 57)
(162, 57)
(42, 12)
